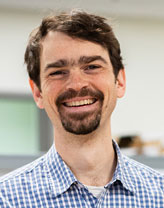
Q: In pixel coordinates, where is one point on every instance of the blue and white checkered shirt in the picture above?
(48, 182)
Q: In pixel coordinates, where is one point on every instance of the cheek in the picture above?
(50, 89)
(50, 106)
(110, 94)
(49, 97)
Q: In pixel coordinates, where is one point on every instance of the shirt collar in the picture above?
(122, 172)
(61, 177)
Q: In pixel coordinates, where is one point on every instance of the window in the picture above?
(19, 126)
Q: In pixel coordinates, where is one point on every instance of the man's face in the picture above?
(78, 87)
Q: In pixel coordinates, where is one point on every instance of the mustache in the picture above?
(71, 93)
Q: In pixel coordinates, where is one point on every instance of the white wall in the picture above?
(14, 31)
(142, 43)
(141, 110)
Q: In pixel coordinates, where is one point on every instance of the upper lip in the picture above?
(74, 96)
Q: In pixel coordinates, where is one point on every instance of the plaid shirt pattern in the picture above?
(49, 183)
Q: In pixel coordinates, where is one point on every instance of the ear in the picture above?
(121, 83)
(37, 95)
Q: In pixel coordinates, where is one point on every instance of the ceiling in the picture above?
(128, 8)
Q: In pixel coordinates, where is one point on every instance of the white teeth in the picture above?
(79, 103)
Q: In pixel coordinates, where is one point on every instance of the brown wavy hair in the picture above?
(76, 24)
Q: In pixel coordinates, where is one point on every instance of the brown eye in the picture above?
(92, 67)
(59, 73)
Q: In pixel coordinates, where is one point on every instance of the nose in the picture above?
(77, 80)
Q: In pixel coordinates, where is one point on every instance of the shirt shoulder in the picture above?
(20, 183)
(143, 176)
(23, 171)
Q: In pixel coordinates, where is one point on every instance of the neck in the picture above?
(88, 156)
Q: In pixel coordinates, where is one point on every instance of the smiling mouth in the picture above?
(80, 103)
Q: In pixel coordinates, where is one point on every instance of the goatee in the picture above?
(80, 123)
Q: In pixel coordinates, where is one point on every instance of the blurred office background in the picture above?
(138, 121)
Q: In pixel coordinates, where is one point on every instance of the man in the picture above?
(76, 75)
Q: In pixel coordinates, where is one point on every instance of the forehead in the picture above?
(59, 45)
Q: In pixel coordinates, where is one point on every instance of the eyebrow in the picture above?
(82, 60)
(57, 64)
(89, 59)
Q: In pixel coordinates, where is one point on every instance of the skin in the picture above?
(90, 156)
